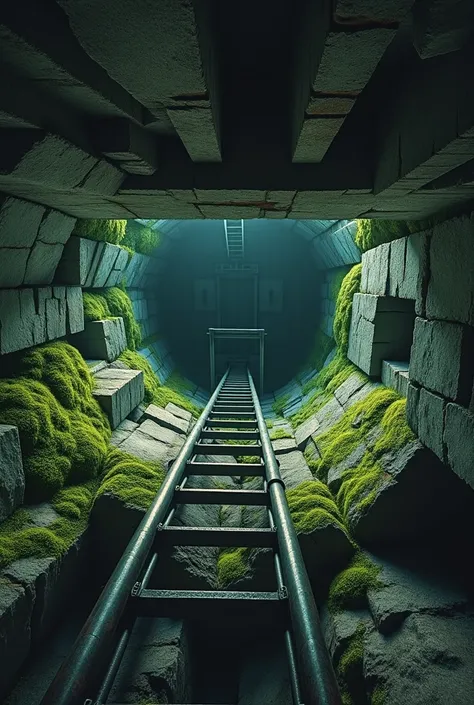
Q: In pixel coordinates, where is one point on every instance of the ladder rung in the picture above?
(206, 604)
(255, 498)
(224, 423)
(226, 415)
(232, 407)
(231, 435)
(215, 536)
(227, 449)
(226, 469)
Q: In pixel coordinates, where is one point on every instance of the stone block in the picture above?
(13, 262)
(12, 476)
(122, 432)
(459, 440)
(327, 416)
(118, 392)
(42, 263)
(381, 328)
(102, 340)
(413, 398)
(179, 412)
(391, 11)
(56, 228)
(375, 270)
(166, 419)
(395, 375)
(75, 309)
(431, 410)
(336, 472)
(441, 358)
(76, 261)
(307, 429)
(450, 293)
(155, 443)
(362, 393)
(426, 661)
(16, 610)
(19, 222)
(340, 627)
(284, 445)
(106, 266)
(294, 469)
(347, 389)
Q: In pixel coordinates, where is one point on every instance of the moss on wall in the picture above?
(312, 507)
(232, 565)
(372, 232)
(132, 480)
(279, 433)
(349, 670)
(104, 230)
(342, 318)
(349, 589)
(63, 432)
(279, 404)
(112, 303)
(141, 238)
(322, 346)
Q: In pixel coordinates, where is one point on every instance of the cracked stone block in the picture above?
(450, 293)
(119, 266)
(75, 309)
(404, 268)
(21, 327)
(16, 609)
(155, 443)
(381, 328)
(351, 386)
(336, 472)
(315, 138)
(122, 432)
(76, 261)
(102, 340)
(427, 661)
(13, 266)
(118, 391)
(19, 222)
(166, 419)
(294, 469)
(12, 476)
(413, 398)
(459, 440)
(178, 411)
(441, 358)
(156, 665)
(339, 628)
(56, 228)
(431, 411)
(395, 375)
(375, 268)
(284, 445)
(42, 263)
(307, 429)
(404, 591)
(56, 312)
(106, 265)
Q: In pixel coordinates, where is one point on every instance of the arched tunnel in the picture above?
(236, 352)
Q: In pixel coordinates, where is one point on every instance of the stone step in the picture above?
(103, 340)
(119, 391)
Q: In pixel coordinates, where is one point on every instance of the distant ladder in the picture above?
(233, 413)
(234, 238)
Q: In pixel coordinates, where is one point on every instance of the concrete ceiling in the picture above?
(204, 109)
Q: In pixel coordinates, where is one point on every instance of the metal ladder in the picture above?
(234, 238)
(233, 413)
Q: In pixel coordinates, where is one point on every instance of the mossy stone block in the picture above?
(12, 476)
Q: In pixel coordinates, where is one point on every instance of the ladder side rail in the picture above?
(79, 675)
(316, 674)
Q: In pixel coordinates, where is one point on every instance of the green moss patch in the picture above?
(312, 507)
(279, 404)
(112, 303)
(322, 346)
(112, 231)
(63, 432)
(232, 565)
(279, 433)
(18, 539)
(349, 589)
(372, 232)
(342, 317)
(132, 480)
(141, 238)
(350, 670)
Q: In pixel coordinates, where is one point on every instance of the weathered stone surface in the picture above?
(75, 309)
(76, 261)
(395, 375)
(294, 469)
(106, 265)
(12, 476)
(13, 268)
(413, 398)
(137, 414)
(381, 328)
(178, 411)
(103, 340)
(441, 358)
(307, 429)
(431, 410)
(327, 416)
(166, 419)
(339, 628)
(42, 263)
(441, 27)
(122, 432)
(345, 391)
(19, 222)
(156, 665)
(362, 393)
(264, 675)
(372, 9)
(56, 228)
(153, 442)
(414, 485)
(427, 661)
(375, 267)
(451, 284)
(119, 392)
(284, 445)
(326, 551)
(16, 609)
(404, 592)
(459, 440)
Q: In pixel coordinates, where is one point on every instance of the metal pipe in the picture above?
(81, 671)
(316, 674)
(107, 683)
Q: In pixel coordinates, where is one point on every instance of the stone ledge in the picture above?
(103, 340)
(118, 391)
